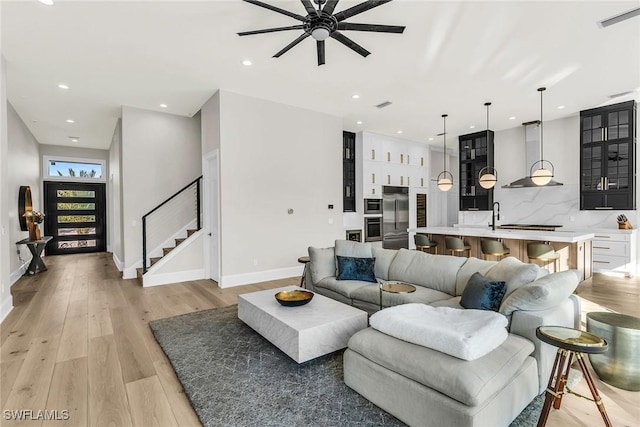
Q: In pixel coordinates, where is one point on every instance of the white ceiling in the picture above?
(452, 58)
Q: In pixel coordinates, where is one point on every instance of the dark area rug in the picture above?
(235, 377)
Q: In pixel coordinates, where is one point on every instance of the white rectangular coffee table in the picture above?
(320, 327)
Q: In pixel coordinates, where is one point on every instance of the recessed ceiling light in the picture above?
(355, 96)
(74, 138)
(359, 122)
(70, 121)
(399, 131)
(163, 105)
(430, 139)
(472, 127)
(47, 2)
(560, 107)
(63, 86)
(34, 121)
(247, 63)
(512, 118)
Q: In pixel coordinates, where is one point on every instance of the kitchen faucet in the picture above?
(494, 216)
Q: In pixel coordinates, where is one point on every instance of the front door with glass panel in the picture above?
(75, 217)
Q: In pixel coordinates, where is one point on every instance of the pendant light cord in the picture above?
(444, 136)
(542, 89)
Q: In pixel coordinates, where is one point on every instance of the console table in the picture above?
(35, 247)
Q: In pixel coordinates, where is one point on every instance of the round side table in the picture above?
(395, 288)
(570, 342)
(304, 260)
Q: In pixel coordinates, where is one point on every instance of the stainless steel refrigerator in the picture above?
(395, 217)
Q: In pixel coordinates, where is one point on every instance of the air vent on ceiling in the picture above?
(621, 94)
(384, 104)
(619, 18)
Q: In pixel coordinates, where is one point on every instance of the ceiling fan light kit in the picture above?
(322, 24)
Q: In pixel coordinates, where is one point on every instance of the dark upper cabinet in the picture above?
(476, 152)
(348, 171)
(607, 157)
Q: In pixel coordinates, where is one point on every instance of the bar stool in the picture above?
(570, 343)
(456, 245)
(544, 252)
(304, 260)
(424, 244)
(491, 247)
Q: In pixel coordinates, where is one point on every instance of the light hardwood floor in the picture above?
(78, 340)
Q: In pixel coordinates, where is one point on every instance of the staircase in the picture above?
(165, 251)
(164, 229)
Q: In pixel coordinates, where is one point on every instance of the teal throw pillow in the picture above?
(351, 268)
(482, 293)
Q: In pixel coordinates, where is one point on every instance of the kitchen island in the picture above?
(574, 246)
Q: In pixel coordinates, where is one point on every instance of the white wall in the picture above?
(276, 157)
(23, 169)
(210, 116)
(114, 199)
(6, 302)
(161, 153)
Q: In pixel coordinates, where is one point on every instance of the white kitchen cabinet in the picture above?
(615, 251)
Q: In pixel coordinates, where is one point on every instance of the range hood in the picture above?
(532, 154)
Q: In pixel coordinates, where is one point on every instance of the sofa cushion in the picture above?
(384, 258)
(451, 302)
(482, 293)
(323, 263)
(545, 293)
(343, 287)
(352, 268)
(469, 382)
(513, 271)
(432, 271)
(371, 294)
(471, 265)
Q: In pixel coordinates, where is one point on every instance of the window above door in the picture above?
(73, 169)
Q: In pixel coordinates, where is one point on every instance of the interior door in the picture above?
(75, 217)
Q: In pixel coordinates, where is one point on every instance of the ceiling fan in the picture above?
(322, 23)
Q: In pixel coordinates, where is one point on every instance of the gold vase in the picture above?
(34, 231)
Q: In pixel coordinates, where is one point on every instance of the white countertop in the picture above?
(560, 235)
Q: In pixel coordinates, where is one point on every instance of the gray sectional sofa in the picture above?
(425, 387)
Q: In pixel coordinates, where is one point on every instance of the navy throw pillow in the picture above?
(482, 293)
(350, 268)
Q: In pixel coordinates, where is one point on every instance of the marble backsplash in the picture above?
(546, 205)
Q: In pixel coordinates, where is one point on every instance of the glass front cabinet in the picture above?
(608, 160)
(476, 152)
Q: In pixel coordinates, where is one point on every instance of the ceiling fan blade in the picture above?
(290, 45)
(276, 9)
(272, 30)
(330, 6)
(307, 5)
(320, 44)
(359, 8)
(350, 43)
(371, 27)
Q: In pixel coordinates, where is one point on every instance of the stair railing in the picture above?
(193, 185)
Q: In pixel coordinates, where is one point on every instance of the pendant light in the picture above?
(488, 175)
(542, 175)
(445, 178)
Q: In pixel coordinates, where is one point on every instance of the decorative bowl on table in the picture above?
(294, 298)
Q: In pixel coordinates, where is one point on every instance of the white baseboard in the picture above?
(119, 264)
(17, 274)
(259, 276)
(6, 307)
(176, 277)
